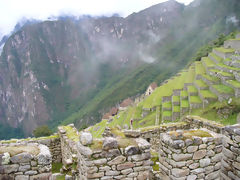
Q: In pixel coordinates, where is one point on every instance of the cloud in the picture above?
(11, 11)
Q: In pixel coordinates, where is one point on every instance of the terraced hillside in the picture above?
(209, 88)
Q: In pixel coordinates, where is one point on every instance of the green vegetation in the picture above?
(192, 89)
(226, 74)
(199, 68)
(208, 62)
(207, 94)
(167, 105)
(56, 167)
(212, 78)
(167, 113)
(234, 83)
(175, 98)
(217, 58)
(223, 89)
(71, 133)
(176, 108)
(184, 94)
(201, 83)
(184, 103)
(42, 131)
(195, 99)
(224, 50)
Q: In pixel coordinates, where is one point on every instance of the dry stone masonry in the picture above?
(25, 162)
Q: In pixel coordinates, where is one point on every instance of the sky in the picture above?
(11, 11)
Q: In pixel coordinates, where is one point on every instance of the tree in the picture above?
(42, 131)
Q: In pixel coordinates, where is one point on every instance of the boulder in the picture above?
(86, 138)
(109, 143)
(5, 158)
(21, 158)
(44, 157)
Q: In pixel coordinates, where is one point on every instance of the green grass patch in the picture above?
(192, 89)
(98, 129)
(211, 78)
(97, 144)
(71, 133)
(176, 108)
(201, 83)
(234, 83)
(223, 89)
(149, 120)
(167, 113)
(226, 74)
(184, 103)
(216, 57)
(199, 68)
(61, 177)
(208, 62)
(167, 104)
(175, 98)
(56, 167)
(224, 50)
(195, 99)
(184, 93)
(207, 94)
(228, 67)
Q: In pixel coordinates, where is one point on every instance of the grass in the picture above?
(97, 144)
(192, 89)
(201, 83)
(216, 57)
(56, 167)
(224, 50)
(149, 120)
(211, 78)
(71, 133)
(207, 94)
(184, 103)
(195, 99)
(190, 133)
(175, 98)
(208, 62)
(176, 108)
(61, 177)
(234, 83)
(223, 89)
(167, 104)
(199, 68)
(226, 74)
(184, 93)
(98, 129)
(228, 67)
(167, 113)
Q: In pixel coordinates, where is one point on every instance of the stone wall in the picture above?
(230, 169)
(25, 162)
(114, 158)
(52, 142)
(190, 157)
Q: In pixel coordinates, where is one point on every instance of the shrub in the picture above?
(42, 131)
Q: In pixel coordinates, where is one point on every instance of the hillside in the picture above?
(75, 70)
(208, 88)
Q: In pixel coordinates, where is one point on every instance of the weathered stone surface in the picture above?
(30, 172)
(199, 154)
(198, 171)
(182, 157)
(213, 175)
(131, 150)
(117, 160)
(110, 143)
(227, 153)
(177, 144)
(86, 151)
(112, 173)
(202, 146)
(100, 161)
(6, 177)
(127, 171)
(5, 158)
(42, 176)
(192, 149)
(192, 177)
(68, 177)
(44, 157)
(95, 175)
(143, 144)
(194, 166)
(236, 165)
(141, 157)
(22, 177)
(126, 165)
(93, 169)
(132, 133)
(24, 168)
(86, 138)
(21, 158)
(104, 168)
(217, 157)
(204, 162)
(177, 164)
(7, 169)
(180, 172)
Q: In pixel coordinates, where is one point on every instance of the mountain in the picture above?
(68, 70)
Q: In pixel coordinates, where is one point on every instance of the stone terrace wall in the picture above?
(230, 169)
(68, 137)
(109, 161)
(52, 142)
(25, 165)
(195, 158)
(152, 135)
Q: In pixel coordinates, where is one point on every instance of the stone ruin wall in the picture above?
(52, 142)
(191, 158)
(230, 162)
(26, 165)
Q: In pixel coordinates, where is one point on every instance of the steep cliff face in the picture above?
(76, 68)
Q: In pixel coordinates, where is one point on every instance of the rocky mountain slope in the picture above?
(73, 70)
